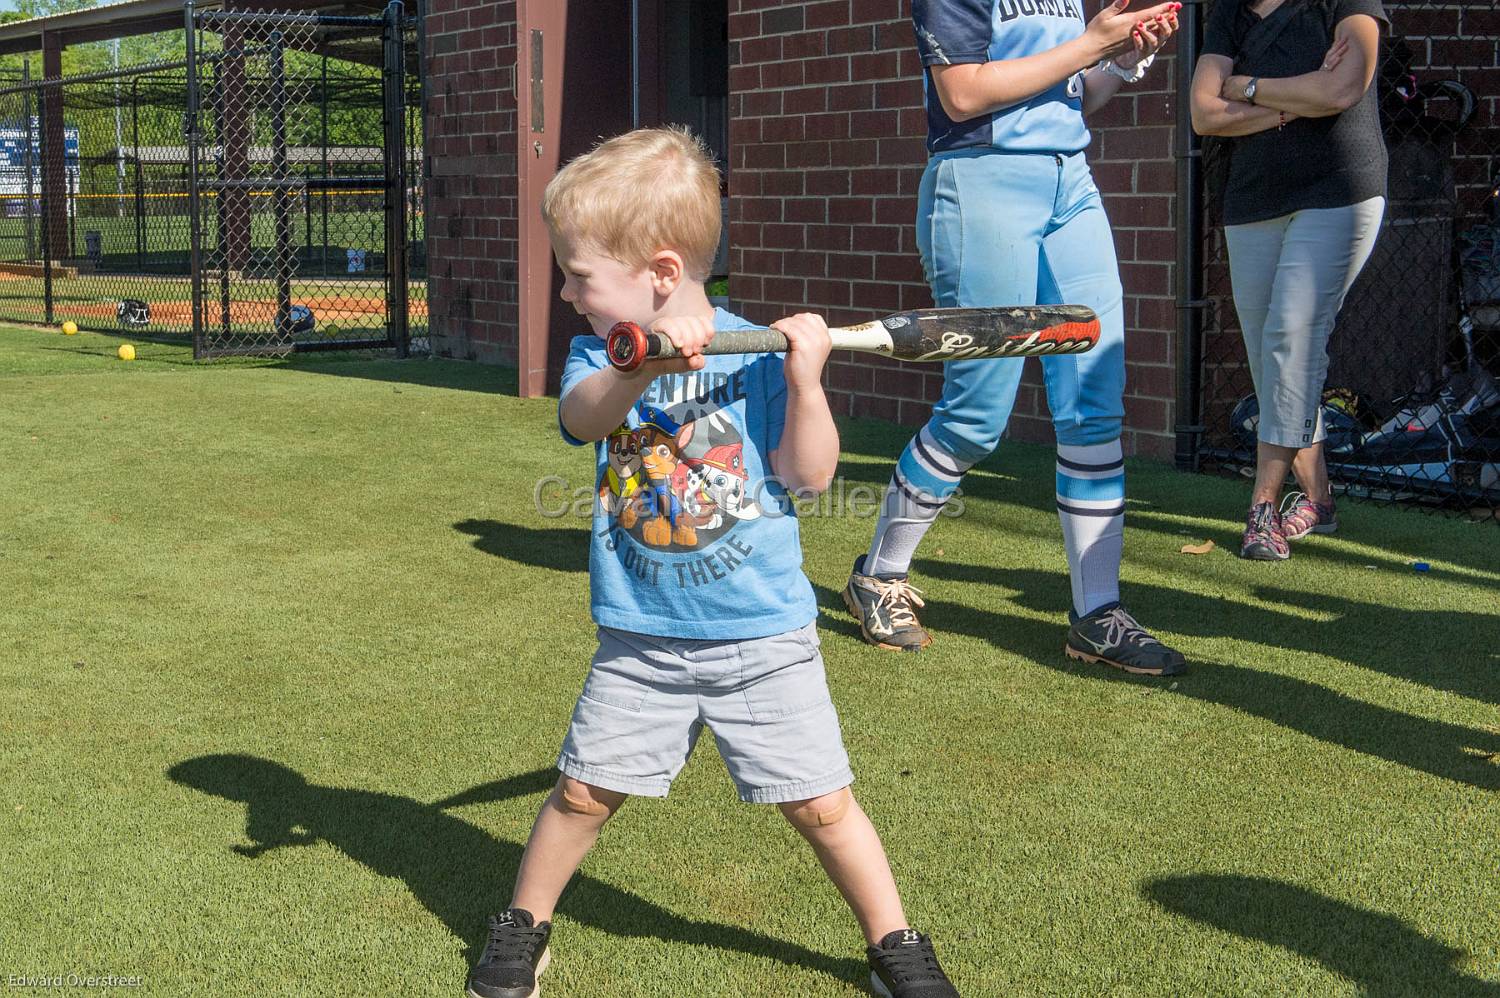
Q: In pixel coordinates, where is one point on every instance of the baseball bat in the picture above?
(927, 334)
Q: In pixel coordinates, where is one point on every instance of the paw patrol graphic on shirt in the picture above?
(692, 534)
(676, 485)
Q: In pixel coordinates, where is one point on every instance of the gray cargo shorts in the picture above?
(766, 701)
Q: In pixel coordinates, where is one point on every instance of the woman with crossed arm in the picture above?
(1289, 82)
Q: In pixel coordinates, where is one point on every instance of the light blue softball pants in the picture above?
(997, 228)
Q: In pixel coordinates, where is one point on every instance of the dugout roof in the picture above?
(140, 17)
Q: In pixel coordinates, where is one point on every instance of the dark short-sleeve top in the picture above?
(1328, 162)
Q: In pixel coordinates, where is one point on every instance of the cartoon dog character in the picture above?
(622, 478)
(724, 480)
(687, 483)
(661, 442)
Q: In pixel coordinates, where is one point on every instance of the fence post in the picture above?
(140, 193)
(1190, 301)
(32, 253)
(46, 205)
(280, 177)
(323, 195)
(395, 179)
(190, 134)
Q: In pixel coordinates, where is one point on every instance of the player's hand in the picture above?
(1149, 37)
(807, 350)
(1111, 34)
(689, 334)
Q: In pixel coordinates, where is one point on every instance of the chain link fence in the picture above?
(98, 203)
(1411, 404)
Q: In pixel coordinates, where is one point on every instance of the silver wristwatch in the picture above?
(1250, 89)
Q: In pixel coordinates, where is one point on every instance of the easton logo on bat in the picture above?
(1063, 337)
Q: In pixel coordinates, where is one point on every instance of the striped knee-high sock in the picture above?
(1091, 505)
(924, 479)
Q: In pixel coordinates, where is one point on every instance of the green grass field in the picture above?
(287, 655)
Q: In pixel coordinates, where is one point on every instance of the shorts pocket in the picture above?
(623, 685)
(783, 675)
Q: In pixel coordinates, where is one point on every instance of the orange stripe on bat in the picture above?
(1063, 332)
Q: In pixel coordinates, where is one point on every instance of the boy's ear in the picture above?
(667, 271)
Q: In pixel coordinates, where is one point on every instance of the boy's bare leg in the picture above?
(849, 848)
(566, 829)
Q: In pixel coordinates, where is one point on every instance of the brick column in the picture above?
(471, 169)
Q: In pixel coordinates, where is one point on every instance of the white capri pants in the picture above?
(1290, 277)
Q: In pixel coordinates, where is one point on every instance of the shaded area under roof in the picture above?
(141, 17)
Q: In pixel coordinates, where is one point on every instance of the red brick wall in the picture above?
(471, 163)
(827, 148)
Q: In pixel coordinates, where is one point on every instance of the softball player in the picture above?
(1008, 214)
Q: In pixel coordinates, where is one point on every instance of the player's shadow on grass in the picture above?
(1161, 501)
(456, 870)
(562, 549)
(1451, 751)
(1381, 953)
(1440, 649)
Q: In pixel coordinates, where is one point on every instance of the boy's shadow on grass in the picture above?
(1384, 955)
(562, 549)
(1451, 751)
(456, 870)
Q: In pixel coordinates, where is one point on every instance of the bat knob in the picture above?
(626, 346)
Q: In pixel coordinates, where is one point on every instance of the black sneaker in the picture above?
(1111, 635)
(885, 606)
(514, 957)
(904, 966)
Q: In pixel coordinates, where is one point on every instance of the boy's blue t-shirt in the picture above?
(953, 32)
(692, 536)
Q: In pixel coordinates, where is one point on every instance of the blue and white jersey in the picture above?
(951, 32)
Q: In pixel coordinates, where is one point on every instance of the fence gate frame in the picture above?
(217, 332)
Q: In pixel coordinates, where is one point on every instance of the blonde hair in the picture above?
(637, 194)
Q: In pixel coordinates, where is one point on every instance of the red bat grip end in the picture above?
(627, 346)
